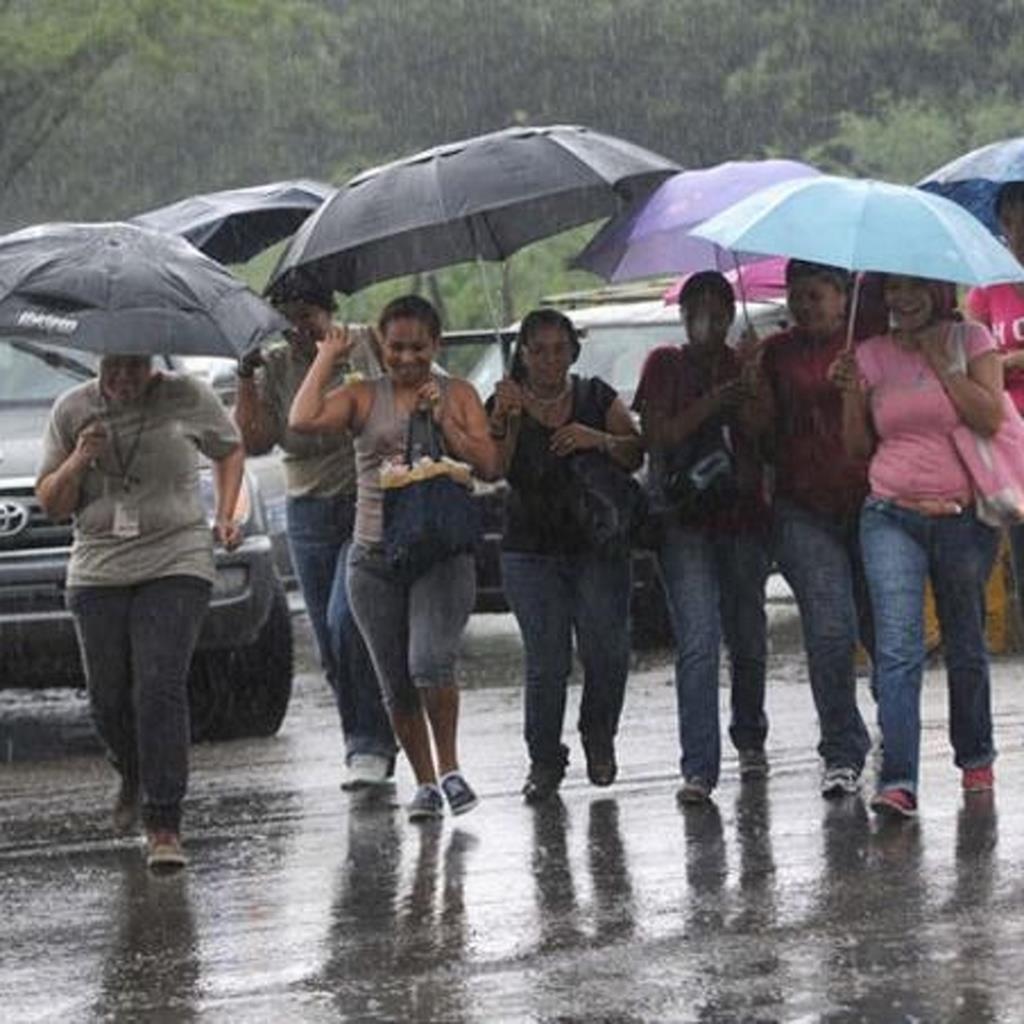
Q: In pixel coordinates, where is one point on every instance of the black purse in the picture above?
(699, 478)
(431, 518)
(607, 504)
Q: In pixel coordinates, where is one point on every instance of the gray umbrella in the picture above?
(482, 198)
(234, 225)
(125, 289)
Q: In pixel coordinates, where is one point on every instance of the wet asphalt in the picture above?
(303, 903)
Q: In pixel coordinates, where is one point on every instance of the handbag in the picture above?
(607, 504)
(430, 514)
(699, 478)
(995, 464)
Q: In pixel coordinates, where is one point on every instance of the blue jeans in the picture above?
(136, 644)
(319, 534)
(553, 596)
(820, 559)
(714, 585)
(902, 549)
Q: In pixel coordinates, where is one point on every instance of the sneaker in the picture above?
(753, 764)
(978, 780)
(894, 803)
(694, 791)
(126, 808)
(163, 851)
(599, 750)
(839, 782)
(366, 770)
(459, 792)
(542, 782)
(426, 804)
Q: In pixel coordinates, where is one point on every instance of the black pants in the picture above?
(136, 645)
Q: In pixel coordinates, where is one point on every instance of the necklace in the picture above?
(546, 403)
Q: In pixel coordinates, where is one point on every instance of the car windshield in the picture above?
(31, 373)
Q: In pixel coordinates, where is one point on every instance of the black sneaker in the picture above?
(542, 782)
(427, 803)
(753, 764)
(599, 749)
(458, 792)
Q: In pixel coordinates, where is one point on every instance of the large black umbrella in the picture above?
(122, 288)
(234, 225)
(482, 198)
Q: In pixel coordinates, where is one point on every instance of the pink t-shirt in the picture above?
(913, 418)
(1001, 308)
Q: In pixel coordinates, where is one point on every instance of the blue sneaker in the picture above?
(427, 803)
(461, 797)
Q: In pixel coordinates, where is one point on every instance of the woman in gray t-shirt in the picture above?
(411, 628)
(121, 457)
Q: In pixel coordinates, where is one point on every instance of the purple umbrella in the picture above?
(652, 237)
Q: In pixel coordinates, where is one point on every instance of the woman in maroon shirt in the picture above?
(819, 490)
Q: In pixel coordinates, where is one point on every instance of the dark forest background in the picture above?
(111, 107)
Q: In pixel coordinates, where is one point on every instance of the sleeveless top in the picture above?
(383, 437)
(538, 514)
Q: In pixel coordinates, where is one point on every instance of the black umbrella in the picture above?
(121, 288)
(482, 198)
(234, 225)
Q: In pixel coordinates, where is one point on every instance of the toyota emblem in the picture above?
(13, 518)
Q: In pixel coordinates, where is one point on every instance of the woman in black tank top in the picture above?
(556, 583)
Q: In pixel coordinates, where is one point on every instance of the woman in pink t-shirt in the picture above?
(903, 394)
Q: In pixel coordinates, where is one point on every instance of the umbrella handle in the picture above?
(743, 290)
(491, 308)
(852, 315)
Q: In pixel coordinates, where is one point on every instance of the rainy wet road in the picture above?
(301, 903)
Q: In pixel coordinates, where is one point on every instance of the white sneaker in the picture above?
(839, 782)
(366, 770)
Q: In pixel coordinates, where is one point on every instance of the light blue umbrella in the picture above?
(862, 224)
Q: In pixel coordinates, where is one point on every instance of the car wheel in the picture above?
(245, 691)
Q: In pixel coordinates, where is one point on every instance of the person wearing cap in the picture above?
(320, 475)
(818, 492)
(714, 555)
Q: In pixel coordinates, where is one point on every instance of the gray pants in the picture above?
(412, 630)
(136, 645)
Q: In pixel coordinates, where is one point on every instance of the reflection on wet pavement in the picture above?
(303, 903)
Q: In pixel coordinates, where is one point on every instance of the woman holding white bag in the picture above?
(905, 393)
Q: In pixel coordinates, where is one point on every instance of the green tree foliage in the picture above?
(175, 97)
(114, 106)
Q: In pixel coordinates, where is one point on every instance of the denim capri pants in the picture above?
(413, 629)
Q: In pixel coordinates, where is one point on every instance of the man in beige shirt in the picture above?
(321, 483)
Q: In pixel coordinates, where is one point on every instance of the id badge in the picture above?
(126, 519)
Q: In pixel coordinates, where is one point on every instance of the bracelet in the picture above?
(606, 443)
